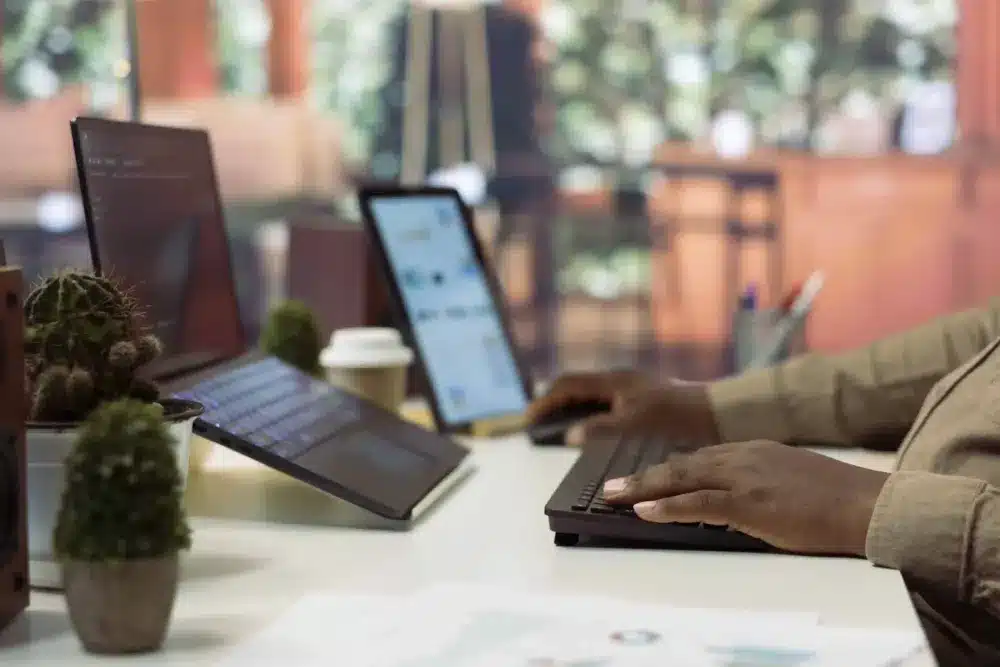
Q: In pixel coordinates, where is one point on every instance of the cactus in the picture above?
(83, 345)
(123, 492)
(291, 334)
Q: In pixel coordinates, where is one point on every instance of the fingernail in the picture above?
(614, 486)
(575, 435)
(645, 508)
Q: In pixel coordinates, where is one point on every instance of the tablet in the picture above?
(448, 304)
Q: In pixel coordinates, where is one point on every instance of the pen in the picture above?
(748, 302)
(790, 323)
(789, 300)
(743, 326)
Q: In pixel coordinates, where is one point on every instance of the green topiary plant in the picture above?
(83, 344)
(291, 334)
(123, 489)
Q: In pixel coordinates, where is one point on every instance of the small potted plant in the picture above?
(84, 345)
(291, 334)
(120, 529)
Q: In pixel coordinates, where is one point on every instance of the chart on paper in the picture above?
(523, 639)
(466, 626)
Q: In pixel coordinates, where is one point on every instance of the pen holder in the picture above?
(751, 336)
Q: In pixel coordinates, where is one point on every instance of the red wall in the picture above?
(288, 50)
(979, 68)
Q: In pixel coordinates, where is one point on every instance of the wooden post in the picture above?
(531, 8)
(1, 58)
(978, 76)
(176, 48)
(288, 49)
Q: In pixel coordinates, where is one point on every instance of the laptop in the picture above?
(154, 219)
(448, 301)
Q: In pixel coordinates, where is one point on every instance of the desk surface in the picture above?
(241, 574)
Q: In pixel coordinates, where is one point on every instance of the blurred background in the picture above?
(635, 164)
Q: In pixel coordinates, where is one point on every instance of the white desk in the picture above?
(240, 575)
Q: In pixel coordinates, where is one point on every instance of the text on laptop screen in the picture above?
(155, 218)
(449, 304)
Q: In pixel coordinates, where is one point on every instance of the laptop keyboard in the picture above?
(274, 407)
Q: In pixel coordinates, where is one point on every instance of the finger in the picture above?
(601, 427)
(621, 399)
(680, 474)
(713, 507)
(565, 391)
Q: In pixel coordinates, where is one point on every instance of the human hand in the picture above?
(640, 408)
(791, 498)
(610, 387)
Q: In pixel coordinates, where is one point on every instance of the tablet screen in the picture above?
(469, 361)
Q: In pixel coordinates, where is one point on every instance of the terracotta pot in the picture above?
(121, 608)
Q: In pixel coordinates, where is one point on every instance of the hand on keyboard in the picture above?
(639, 408)
(791, 498)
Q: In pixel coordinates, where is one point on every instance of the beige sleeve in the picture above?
(943, 531)
(849, 398)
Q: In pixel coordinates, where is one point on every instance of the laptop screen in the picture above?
(156, 224)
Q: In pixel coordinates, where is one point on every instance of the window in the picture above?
(352, 61)
(242, 30)
(50, 44)
(831, 76)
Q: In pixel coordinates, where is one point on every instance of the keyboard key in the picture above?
(261, 440)
(273, 406)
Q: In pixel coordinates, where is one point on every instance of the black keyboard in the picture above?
(274, 407)
(578, 512)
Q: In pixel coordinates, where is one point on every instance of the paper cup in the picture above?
(370, 363)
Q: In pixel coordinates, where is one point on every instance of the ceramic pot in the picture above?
(48, 445)
(121, 608)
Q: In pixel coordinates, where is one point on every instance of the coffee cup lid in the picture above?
(366, 347)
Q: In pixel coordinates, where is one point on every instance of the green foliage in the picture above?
(83, 345)
(665, 68)
(241, 46)
(291, 334)
(48, 43)
(609, 82)
(351, 63)
(123, 488)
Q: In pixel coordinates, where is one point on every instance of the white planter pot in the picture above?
(47, 448)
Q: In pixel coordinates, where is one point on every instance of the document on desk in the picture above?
(473, 626)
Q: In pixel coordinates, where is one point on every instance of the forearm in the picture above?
(942, 533)
(854, 397)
